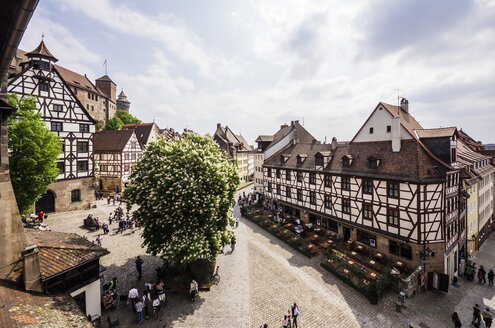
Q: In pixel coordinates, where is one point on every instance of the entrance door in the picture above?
(347, 233)
(46, 203)
(101, 184)
(81, 301)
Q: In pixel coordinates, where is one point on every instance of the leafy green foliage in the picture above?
(33, 152)
(114, 124)
(184, 190)
(125, 117)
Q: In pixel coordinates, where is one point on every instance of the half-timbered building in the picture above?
(65, 116)
(116, 151)
(386, 188)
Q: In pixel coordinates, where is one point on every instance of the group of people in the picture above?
(470, 272)
(478, 314)
(140, 304)
(293, 313)
(35, 221)
(115, 199)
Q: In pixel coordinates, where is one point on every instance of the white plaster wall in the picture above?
(93, 301)
(379, 121)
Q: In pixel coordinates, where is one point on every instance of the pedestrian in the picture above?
(456, 321)
(232, 244)
(99, 240)
(487, 317)
(139, 310)
(482, 275)
(110, 218)
(491, 275)
(108, 199)
(476, 315)
(132, 297)
(104, 226)
(236, 222)
(469, 272)
(289, 315)
(295, 314)
(97, 224)
(113, 284)
(146, 302)
(113, 200)
(139, 266)
(285, 322)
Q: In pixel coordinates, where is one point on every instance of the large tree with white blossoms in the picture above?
(184, 191)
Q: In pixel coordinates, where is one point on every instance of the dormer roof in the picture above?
(41, 51)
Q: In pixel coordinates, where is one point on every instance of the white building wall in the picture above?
(379, 120)
(92, 297)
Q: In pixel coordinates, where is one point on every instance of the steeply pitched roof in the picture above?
(76, 79)
(111, 140)
(60, 251)
(143, 130)
(245, 144)
(435, 133)
(105, 78)
(264, 138)
(406, 119)
(41, 50)
(301, 135)
(22, 309)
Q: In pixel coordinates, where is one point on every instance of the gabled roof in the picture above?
(111, 140)
(301, 135)
(264, 138)
(226, 135)
(42, 50)
(105, 78)
(435, 133)
(143, 130)
(61, 251)
(245, 144)
(75, 79)
(406, 119)
(24, 309)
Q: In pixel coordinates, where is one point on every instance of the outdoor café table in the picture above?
(353, 253)
(372, 274)
(294, 239)
(325, 244)
(310, 246)
(399, 264)
(372, 262)
(318, 230)
(379, 256)
(350, 262)
(360, 248)
(288, 225)
(347, 272)
(313, 237)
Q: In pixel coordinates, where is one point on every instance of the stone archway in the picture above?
(46, 203)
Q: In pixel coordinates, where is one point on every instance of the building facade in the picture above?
(386, 188)
(65, 116)
(116, 151)
(263, 141)
(145, 132)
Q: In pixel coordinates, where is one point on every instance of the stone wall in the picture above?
(62, 190)
(110, 184)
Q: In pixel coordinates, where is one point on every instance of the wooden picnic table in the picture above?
(372, 262)
(379, 256)
(360, 248)
(347, 272)
(372, 274)
(354, 253)
(327, 244)
(313, 237)
(289, 225)
(350, 262)
(399, 264)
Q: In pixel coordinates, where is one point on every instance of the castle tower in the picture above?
(122, 102)
(109, 88)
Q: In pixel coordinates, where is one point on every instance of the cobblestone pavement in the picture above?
(263, 276)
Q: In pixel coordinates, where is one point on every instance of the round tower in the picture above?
(122, 102)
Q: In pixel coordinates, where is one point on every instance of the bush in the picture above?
(243, 211)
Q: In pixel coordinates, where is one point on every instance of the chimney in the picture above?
(404, 104)
(334, 144)
(396, 143)
(283, 126)
(32, 273)
(218, 126)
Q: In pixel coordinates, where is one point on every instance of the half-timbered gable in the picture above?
(64, 115)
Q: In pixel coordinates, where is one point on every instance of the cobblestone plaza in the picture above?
(263, 277)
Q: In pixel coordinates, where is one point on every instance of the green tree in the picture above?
(33, 152)
(114, 124)
(185, 190)
(125, 117)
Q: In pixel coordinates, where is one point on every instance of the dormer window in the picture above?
(284, 158)
(44, 65)
(301, 158)
(319, 160)
(347, 161)
(373, 162)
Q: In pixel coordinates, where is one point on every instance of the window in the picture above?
(133, 156)
(82, 166)
(366, 238)
(328, 181)
(87, 106)
(75, 91)
(287, 192)
(287, 175)
(116, 168)
(333, 226)
(328, 201)
(389, 128)
(453, 155)
(44, 86)
(367, 212)
(299, 177)
(371, 130)
(400, 249)
(393, 190)
(269, 187)
(346, 184)
(346, 162)
(96, 97)
(56, 126)
(92, 96)
(367, 187)
(319, 160)
(75, 195)
(126, 156)
(278, 173)
(44, 65)
(346, 206)
(61, 167)
(312, 178)
(126, 168)
(83, 127)
(372, 163)
(269, 172)
(92, 107)
(299, 195)
(393, 216)
(278, 189)
(89, 95)
(133, 145)
(82, 146)
(312, 197)
(58, 108)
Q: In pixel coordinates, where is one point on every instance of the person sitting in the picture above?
(298, 222)
(159, 286)
(193, 290)
(107, 300)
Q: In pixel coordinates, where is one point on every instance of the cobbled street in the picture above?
(260, 280)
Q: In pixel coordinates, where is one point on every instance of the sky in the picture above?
(254, 65)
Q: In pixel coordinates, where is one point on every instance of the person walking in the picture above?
(232, 244)
(110, 218)
(139, 310)
(491, 275)
(237, 222)
(295, 314)
(476, 315)
(285, 322)
(146, 302)
(132, 297)
(99, 240)
(487, 317)
(139, 266)
(104, 226)
(456, 321)
(482, 275)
